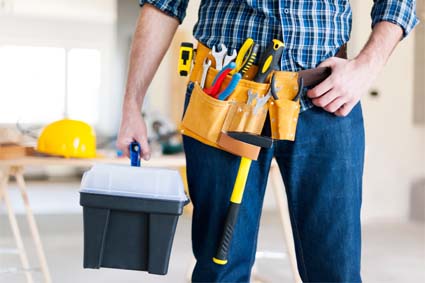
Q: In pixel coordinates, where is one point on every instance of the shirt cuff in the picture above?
(399, 12)
(173, 8)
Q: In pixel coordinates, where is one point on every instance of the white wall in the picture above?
(90, 10)
(66, 23)
(395, 153)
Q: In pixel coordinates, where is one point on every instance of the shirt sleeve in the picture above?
(400, 12)
(174, 8)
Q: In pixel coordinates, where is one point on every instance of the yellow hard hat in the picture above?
(68, 138)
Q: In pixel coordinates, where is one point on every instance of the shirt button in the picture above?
(286, 11)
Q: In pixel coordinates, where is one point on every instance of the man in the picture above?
(322, 170)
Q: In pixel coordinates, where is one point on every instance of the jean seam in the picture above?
(299, 242)
(254, 253)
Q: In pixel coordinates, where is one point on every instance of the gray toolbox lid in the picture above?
(134, 182)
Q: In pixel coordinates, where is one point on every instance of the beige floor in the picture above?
(392, 252)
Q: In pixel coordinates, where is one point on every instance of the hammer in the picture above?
(253, 144)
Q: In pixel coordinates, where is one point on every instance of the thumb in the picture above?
(330, 62)
(145, 152)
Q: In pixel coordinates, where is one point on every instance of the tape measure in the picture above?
(185, 58)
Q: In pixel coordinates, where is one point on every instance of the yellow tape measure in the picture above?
(185, 58)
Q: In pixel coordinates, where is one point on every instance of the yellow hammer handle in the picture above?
(239, 187)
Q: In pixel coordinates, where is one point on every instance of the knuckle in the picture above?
(328, 108)
(315, 102)
(321, 103)
(312, 92)
(331, 109)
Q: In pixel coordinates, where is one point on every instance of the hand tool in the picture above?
(134, 150)
(249, 60)
(230, 58)
(300, 89)
(219, 56)
(230, 66)
(260, 102)
(237, 193)
(251, 97)
(230, 87)
(205, 66)
(273, 90)
(269, 60)
(218, 80)
(246, 56)
(185, 58)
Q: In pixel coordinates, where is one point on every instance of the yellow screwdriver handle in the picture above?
(243, 54)
(270, 60)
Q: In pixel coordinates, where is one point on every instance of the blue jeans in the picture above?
(322, 172)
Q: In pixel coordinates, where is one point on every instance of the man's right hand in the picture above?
(133, 128)
(147, 51)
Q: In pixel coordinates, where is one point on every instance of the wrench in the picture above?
(219, 56)
(260, 102)
(205, 66)
(230, 58)
(251, 96)
(273, 90)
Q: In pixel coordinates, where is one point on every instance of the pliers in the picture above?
(274, 90)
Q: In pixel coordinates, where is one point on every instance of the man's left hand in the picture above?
(342, 90)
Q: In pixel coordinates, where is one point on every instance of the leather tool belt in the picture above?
(207, 118)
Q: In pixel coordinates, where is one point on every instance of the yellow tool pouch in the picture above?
(206, 117)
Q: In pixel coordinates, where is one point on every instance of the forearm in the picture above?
(152, 38)
(382, 41)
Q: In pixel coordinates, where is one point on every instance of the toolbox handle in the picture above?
(134, 149)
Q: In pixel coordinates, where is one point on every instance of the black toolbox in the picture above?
(130, 227)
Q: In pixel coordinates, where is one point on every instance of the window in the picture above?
(32, 81)
(83, 84)
(43, 84)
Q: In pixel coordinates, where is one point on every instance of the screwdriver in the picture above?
(269, 60)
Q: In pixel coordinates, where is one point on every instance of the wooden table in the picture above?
(16, 168)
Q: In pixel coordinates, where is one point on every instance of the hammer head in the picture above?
(257, 140)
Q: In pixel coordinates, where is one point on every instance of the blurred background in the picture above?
(68, 58)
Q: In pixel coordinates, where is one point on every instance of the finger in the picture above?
(145, 152)
(330, 62)
(123, 147)
(321, 88)
(335, 105)
(326, 99)
(345, 109)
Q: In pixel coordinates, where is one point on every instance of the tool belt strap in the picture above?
(311, 77)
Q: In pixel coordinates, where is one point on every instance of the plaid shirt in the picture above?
(312, 30)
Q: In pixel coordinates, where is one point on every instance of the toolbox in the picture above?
(130, 215)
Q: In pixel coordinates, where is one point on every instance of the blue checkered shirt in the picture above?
(312, 30)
